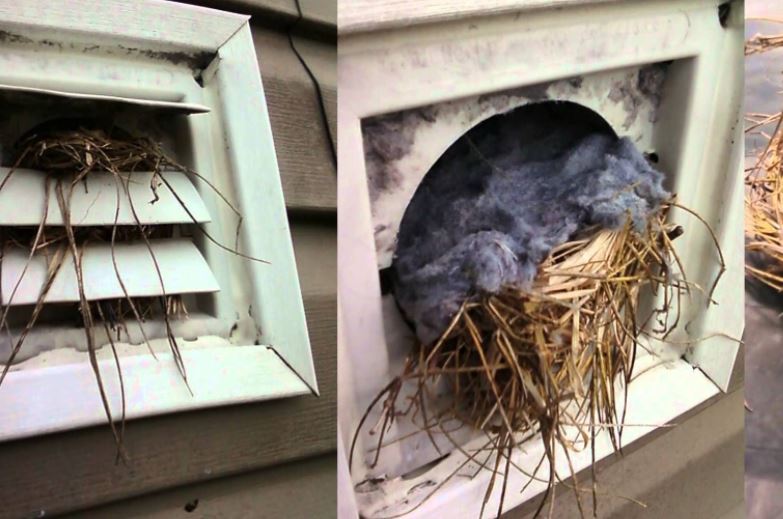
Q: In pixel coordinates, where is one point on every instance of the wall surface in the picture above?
(694, 470)
(195, 452)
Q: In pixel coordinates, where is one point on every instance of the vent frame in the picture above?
(486, 53)
(138, 54)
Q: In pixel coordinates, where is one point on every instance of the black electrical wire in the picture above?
(316, 84)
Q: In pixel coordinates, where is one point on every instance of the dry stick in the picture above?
(117, 269)
(763, 201)
(13, 169)
(169, 332)
(488, 492)
(591, 490)
(112, 169)
(510, 448)
(457, 446)
(434, 423)
(119, 375)
(86, 313)
(491, 441)
(768, 147)
(593, 433)
(240, 218)
(433, 491)
(424, 417)
(574, 477)
(717, 248)
(33, 247)
(626, 332)
(484, 362)
(148, 154)
(389, 387)
(51, 274)
(550, 483)
(539, 465)
(205, 233)
(167, 323)
(288, 365)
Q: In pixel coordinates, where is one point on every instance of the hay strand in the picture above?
(764, 188)
(553, 361)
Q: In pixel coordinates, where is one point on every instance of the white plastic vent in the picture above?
(433, 78)
(187, 78)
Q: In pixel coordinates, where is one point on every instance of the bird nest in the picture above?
(764, 213)
(764, 189)
(550, 360)
(68, 155)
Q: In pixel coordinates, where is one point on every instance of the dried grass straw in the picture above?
(555, 360)
(68, 156)
(764, 189)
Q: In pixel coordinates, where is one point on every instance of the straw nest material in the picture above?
(764, 189)
(69, 151)
(764, 212)
(759, 43)
(555, 357)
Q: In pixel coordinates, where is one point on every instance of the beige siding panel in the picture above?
(693, 470)
(308, 174)
(300, 490)
(315, 245)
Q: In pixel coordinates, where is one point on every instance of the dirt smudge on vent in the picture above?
(391, 138)
(193, 60)
(10, 37)
(634, 91)
(387, 139)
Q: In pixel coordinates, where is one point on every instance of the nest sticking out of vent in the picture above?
(764, 214)
(554, 360)
(551, 357)
(67, 153)
(764, 193)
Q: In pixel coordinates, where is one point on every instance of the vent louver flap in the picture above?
(182, 269)
(165, 266)
(40, 96)
(96, 202)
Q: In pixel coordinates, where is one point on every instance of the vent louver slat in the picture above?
(45, 95)
(182, 269)
(135, 201)
(95, 203)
